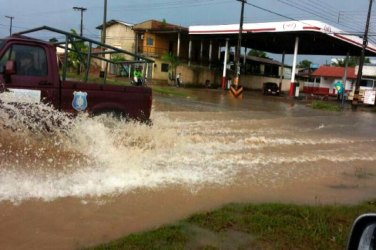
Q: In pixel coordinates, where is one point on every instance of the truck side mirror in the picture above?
(363, 233)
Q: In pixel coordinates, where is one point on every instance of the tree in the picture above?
(76, 55)
(164, 23)
(118, 57)
(53, 40)
(257, 53)
(305, 64)
(119, 68)
(352, 61)
(173, 63)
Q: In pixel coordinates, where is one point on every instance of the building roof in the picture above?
(158, 26)
(266, 61)
(335, 72)
(315, 37)
(113, 21)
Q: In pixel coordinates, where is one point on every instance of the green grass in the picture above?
(123, 81)
(325, 106)
(171, 237)
(262, 226)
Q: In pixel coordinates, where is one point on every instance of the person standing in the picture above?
(137, 77)
(178, 80)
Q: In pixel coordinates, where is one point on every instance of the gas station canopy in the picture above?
(315, 37)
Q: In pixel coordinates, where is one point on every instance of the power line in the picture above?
(272, 12)
(167, 5)
(312, 9)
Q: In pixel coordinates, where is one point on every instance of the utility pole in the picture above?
(11, 24)
(361, 59)
(238, 90)
(81, 9)
(103, 40)
(82, 16)
(237, 54)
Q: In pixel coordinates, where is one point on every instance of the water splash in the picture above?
(101, 156)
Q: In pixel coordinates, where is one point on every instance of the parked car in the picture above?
(270, 88)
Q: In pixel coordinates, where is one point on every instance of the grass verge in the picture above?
(325, 106)
(244, 226)
(123, 81)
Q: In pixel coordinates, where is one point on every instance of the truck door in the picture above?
(31, 74)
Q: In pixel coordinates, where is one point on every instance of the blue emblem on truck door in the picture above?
(79, 102)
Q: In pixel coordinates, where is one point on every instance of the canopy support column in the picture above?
(201, 51)
(282, 74)
(245, 56)
(292, 85)
(178, 46)
(190, 52)
(225, 65)
(210, 53)
(219, 52)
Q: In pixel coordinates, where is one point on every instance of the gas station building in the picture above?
(304, 37)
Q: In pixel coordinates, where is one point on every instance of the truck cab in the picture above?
(29, 66)
(30, 72)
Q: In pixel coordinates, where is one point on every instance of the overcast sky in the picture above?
(348, 15)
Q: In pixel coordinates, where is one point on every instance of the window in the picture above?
(30, 60)
(164, 67)
(4, 60)
(366, 83)
(150, 41)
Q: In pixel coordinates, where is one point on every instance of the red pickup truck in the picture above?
(30, 68)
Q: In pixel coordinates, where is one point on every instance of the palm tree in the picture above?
(352, 61)
(305, 64)
(257, 53)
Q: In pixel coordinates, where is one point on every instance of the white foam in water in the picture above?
(100, 156)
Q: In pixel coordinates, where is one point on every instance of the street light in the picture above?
(82, 16)
(11, 24)
(81, 27)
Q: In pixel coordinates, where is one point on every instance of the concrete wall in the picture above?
(159, 47)
(368, 70)
(157, 71)
(255, 82)
(326, 86)
(200, 75)
(196, 75)
(121, 36)
(329, 84)
(189, 75)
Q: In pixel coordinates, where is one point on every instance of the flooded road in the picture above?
(99, 179)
